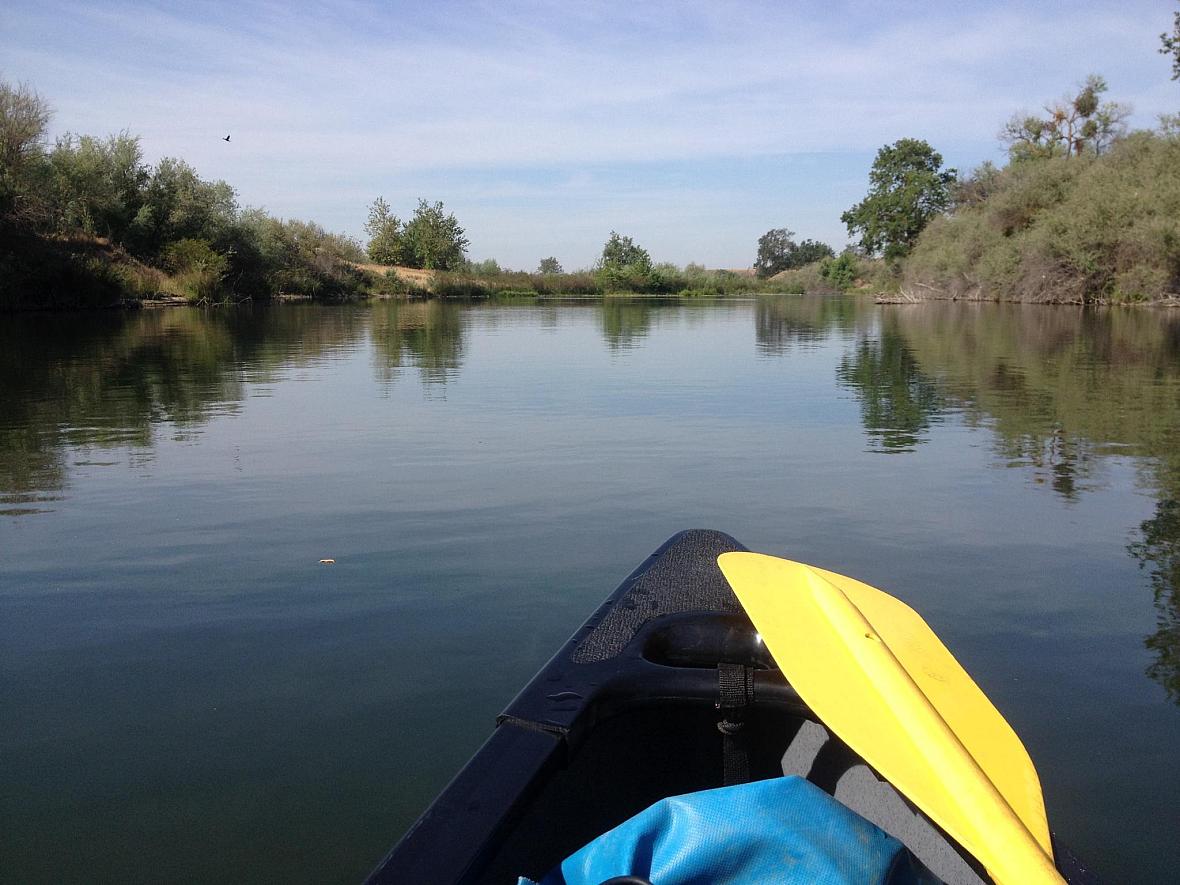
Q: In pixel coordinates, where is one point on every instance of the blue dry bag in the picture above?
(782, 830)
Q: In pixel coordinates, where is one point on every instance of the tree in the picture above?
(549, 265)
(489, 267)
(809, 251)
(1170, 45)
(907, 188)
(778, 252)
(976, 188)
(1073, 125)
(23, 118)
(840, 272)
(626, 267)
(621, 253)
(177, 204)
(773, 248)
(433, 239)
(98, 183)
(385, 234)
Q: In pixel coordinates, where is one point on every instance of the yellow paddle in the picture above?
(876, 675)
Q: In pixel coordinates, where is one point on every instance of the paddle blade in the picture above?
(875, 674)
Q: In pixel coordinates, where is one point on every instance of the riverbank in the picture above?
(84, 272)
(1090, 229)
(910, 297)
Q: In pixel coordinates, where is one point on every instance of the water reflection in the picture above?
(113, 381)
(898, 402)
(425, 334)
(1061, 390)
(1158, 551)
(785, 321)
(626, 321)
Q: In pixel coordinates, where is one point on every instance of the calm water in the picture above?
(187, 694)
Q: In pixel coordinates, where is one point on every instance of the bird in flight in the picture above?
(226, 138)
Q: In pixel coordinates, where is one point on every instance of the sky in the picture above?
(692, 127)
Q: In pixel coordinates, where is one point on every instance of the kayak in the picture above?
(668, 689)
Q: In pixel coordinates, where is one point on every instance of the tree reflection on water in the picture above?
(1061, 390)
(898, 402)
(1158, 550)
(427, 335)
(112, 381)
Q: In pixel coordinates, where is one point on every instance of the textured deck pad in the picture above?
(684, 578)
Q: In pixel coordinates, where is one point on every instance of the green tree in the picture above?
(626, 267)
(778, 252)
(177, 204)
(840, 272)
(974, 189)
(98, 184)
(1170, 45)
(199, 269)
(809, 251)
(908, 188)
(489, 267)
(621, 253)
(433, 239)
(386, 242)
(549, 265)
(297, 257)
(23, 118)
(773, 248)
(772, 251)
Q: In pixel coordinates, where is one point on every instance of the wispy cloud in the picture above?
(492, 107)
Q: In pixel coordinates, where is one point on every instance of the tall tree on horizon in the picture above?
(907, 188)
(621, 253)
(385, 234)
(434, 239)
(1074, 125)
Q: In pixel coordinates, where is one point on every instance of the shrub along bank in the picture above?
(85, 222)
(1077, 229)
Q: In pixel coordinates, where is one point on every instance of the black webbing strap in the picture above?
(735, 692)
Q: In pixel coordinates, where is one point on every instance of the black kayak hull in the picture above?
(665, 690)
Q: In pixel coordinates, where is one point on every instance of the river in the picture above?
(189, 694)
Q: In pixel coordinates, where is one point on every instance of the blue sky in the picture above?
(692, 127)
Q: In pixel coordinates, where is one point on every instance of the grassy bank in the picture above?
(80, 270)
(847, 272)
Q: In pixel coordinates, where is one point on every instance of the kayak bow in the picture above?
(667, 690)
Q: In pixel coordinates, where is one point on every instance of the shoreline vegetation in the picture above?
(86, 223)
(1084, 212)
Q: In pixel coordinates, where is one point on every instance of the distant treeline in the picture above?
(84, 221)
(623, 267)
